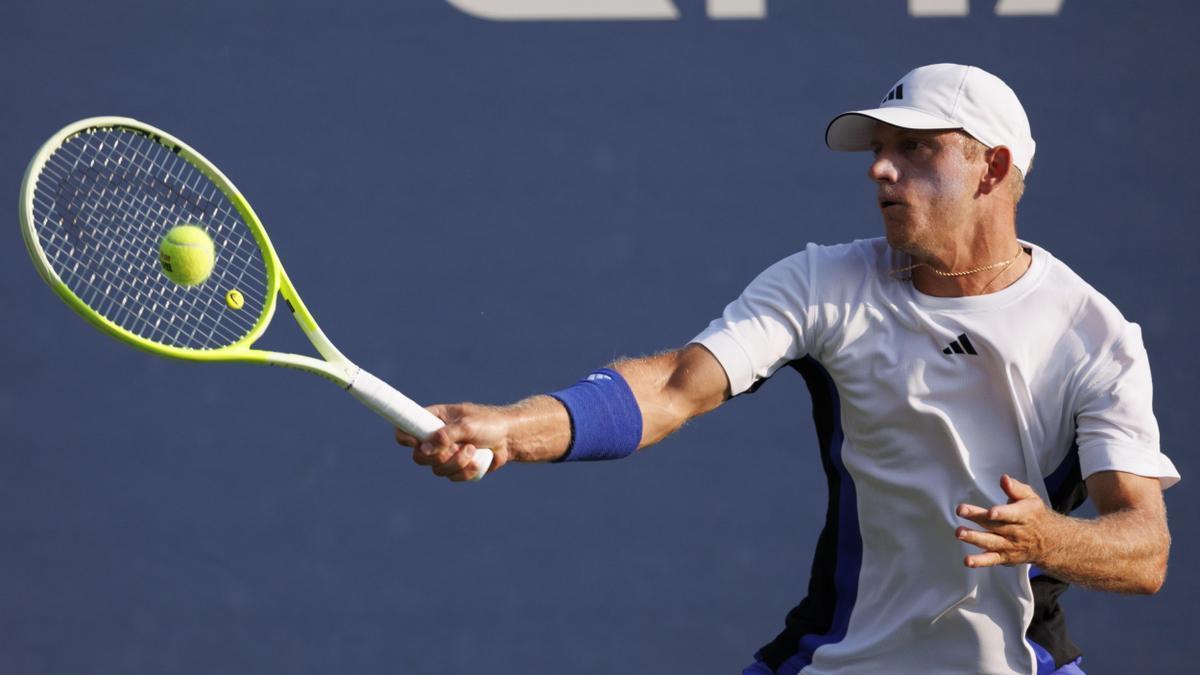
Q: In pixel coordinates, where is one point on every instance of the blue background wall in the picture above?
(484, 210)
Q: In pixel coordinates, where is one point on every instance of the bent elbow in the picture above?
(1151, 585)
(1160, 577)
(1156, 576)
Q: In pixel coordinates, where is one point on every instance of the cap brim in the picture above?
(851, 131)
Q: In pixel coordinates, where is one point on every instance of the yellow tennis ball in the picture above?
(187, 255)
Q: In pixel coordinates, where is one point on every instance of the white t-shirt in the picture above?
(921, 403)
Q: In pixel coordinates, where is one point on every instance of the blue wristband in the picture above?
(606, 422)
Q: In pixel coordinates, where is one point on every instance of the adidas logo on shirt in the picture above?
(961, 346)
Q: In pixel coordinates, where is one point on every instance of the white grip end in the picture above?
(406, 414)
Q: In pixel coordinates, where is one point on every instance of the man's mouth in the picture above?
(885, 203)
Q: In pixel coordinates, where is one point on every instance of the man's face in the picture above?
(926, 186)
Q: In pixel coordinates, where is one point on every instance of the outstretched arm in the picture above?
(670, 389)
(1123, 550)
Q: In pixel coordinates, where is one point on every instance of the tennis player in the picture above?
(970, 391)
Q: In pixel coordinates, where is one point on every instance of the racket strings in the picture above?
(103, 202)
(114, 268)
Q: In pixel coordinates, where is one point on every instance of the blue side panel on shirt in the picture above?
(1054, 482)
(1045, 662)
(1047, 632)
(842, 560)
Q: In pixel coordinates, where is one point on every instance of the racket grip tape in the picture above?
(406, 414)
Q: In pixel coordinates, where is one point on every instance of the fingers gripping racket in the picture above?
(96, 202)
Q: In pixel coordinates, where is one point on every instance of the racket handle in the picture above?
(405, 414)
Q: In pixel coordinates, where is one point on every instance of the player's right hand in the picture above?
(449, 450)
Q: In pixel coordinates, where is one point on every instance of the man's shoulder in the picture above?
(858, 250)
(821, 273)
(826, 267)
(854, 256)
(1088, 312)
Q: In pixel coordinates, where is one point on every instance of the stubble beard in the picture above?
(926, 235)
(906, 237)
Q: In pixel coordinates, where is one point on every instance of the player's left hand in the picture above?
(1014, 533)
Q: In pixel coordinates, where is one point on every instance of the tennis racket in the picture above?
(97, 200)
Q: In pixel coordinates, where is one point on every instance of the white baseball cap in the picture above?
(944, 96)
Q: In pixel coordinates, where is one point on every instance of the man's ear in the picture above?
(999, 164)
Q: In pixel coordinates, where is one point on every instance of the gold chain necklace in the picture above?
(973, 270)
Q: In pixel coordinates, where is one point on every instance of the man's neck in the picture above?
(983, 265)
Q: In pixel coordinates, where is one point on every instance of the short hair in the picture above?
(973, 149)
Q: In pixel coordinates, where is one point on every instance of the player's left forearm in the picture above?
(1123, 552)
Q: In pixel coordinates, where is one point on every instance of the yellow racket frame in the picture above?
(335, 366)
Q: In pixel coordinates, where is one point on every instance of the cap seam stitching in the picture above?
(958, 94)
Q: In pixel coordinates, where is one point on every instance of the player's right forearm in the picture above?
(670, 388)
(539, 429)
(608, 415)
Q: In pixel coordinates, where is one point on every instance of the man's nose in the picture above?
(882, 170)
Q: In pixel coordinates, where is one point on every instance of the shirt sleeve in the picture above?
(766, 326)
(1115, 425)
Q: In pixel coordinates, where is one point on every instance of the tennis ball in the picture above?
(187, 255)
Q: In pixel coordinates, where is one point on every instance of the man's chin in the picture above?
(899, 236)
